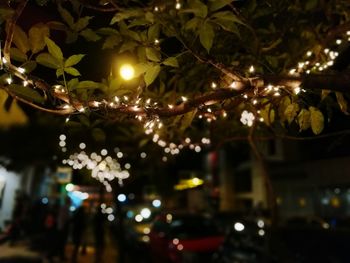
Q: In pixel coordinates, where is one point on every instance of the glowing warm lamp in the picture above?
(127, 71)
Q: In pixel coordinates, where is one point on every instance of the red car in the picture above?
(182, 238)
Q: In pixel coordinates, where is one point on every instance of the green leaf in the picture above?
(193, 24)
(215, 5)
(82, 23)
(66, 16)
(90, 35)
(186, 120)
(111, 42)
(227, 15)
(27, 93)
(57, 26)
(227, 25)
(54, 50)
(153, 54)
(72, 71)
(73, 83)
(172, 62)
(126, 14)
(59, 72)
(138, 22)
(268, 114)
(37, 34)
(87, 84)
(18, 55)
(291, 112)
(153, 32)
(283, 104)
(128, 45)
(151, 74)
(149, 17)
(48, 60)
(129, 33)
(304, 119)
(343, 104)
(29, 66)
(98, 134)
(107, 31)
(317, 120)
(197, 8)
(141, 68)
(206, 36)
(73, 60)
(20, 39)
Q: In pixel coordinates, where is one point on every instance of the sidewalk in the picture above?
(20, 253)
(109, 256)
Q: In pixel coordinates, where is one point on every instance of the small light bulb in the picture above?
(21, 70)
(127, 71)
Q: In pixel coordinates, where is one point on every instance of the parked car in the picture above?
(245, 242)
(182, 238)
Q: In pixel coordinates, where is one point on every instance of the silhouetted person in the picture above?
(50, 225)
(63, 221)
(78, 225)
(99, 234)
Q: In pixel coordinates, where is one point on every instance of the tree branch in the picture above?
(35, 106)
(10, 29)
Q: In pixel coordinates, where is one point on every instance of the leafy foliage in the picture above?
(179, 52)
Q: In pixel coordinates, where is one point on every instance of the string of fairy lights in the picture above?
(152, 123)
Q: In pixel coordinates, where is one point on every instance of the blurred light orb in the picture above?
(261, 223)
(138, 218)
(69, 187)
(110, 218)
(121, 197)
(238, 226)
(261, 232)
(45, 200)
(127, 71)
(82, 146)
(109, 210)
(145, 213)
(156, 203)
